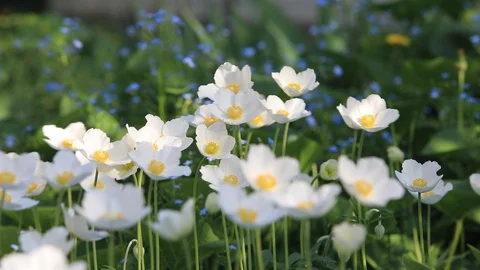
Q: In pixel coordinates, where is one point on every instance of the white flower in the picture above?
(348, 238)
(56, 236)
(113, 208)
(267, 173)
(289, 111)
(475, 182)
(236, 109)
(214, 141)
(301, 200)
(204, 115)
(62, 139)
(37, 185)
(122, 171)
(77, 225)
(436, 194)
(15, 200)
(261, 120)
(418, 177)
(175, 225)
(249, 211)
(230, 77)
(229, 171)
(369, 181)
(17, 171)
(294, 84)
(44, 258)
(103, 181)
(66, 170)
(35, 188)
(370, 114)
(211, 203)
(159, 165)
(329, 170)
(395, 154)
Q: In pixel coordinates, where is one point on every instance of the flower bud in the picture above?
(135, 251)
(211, 203)
(328, 170)
(395, 154)
(379, 230)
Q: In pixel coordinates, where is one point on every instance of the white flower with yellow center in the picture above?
(113, 208)
(214, 141)
(418, 177)
(63, 138)
(203, 115)
(56, 236)
(294, 84)
(236, 109)
(77, 225)
(436, 194)
(289, 111)
(174, 225)
(248, 211)
(103, 181)
(229, 77)
(37, 185)
(16, 200)
(261, 120)
(301, 200)
(265, 172)
(229, 171)
(159, 165)
(17, 171)
(369, 181)
(122, 171)
(348, 238)
(370, 114)
(475, 182)
(66, 170)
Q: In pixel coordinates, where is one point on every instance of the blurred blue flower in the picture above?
(54, 87)
(124, 52)
(333, 148)
(261, 45)
(142, 45)
(28, 128)
(302, 64)
(477, 115)
(232, 247)
(205, 47)
(203, 212)
(435, 93)
(178, 201)
(17, 43)
(337, 119)
(314, 30)
(268, 67)
(47, 70)
(466, 86)
(372, 17)
(476, 17)
(177, 186)
(322, 43)
(132, 87)
(130, 30)
(322, 3)
(373, 30)
(337, 71)
(10, 141)
(176, 20)
(189, 62)
(77, 44)
(248, 52)
(188, 162)
(92, 101)
(387, 136)
(375, 87)
(210, 27)
(113, 111)
(416, 30)
(311, 122)
(475, 39)
(226, 32)
(464, 95)
(445, 75)
(300, 48)
(64, 30)
(107, 66)
(270, 142)
(14, 247)
(136, 99)
(156, 41)
(397, 80)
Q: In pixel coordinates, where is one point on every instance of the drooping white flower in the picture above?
(56, 236)
(229, 77)
(203, 115)
(17, 171)
(174, 225)
(348, 238)
(62, 139)
(122, 171)
(436, 194)
(159, 165)
(418, 177)
(16, 200)
(266, 172)
(229, 171)
(214, 141)
(369, 181)
(294, 84)
(249, 211)
(289, 111)
(103, 181)
(329, 170)
(236, 109)
(211, 203)
(475, 182)
(77, 225)
(370, 114)
(66, 170)
(113, 208)
(261, 120)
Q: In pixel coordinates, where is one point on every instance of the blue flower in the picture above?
(177, 186)
(270, 142)
(333, 148)
(176, 20)
(248, 52)
(261, 45)
(322, 3)
(232, 247)
(124, 52)
(136, 99)
(28, 128)
(375, 87)
(156, 41)
(132, 87)
(142, 45)
(203, 212)
(226, 32)
(373, 30)
(113, 111)
(435, 93)
(131, 30)
(322, 43)
(337, 71)
(397, 80)
(445, 75)
(10, 141)
(302, 64)
(77, 44)
(54, 87)
(416, 30)
(178, 201)
(387, 136)
(189, 62)
(267, 67)
(210, 27)
(107, 66)
(311, 122)
(475, 39)
(205, 47)
(337, 119)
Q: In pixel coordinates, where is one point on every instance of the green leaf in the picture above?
(8, 236)
(410, 264)
(444, 141)
(67, 106)
(475, 252)
(286, 48)
(104, 121)
(460, 201)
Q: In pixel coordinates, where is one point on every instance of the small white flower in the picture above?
(211, 203)
(203, 115)
(175, 225)
(17, 171)
(159, 165)
(249, 211)
(348, 238)
(329, 170)
(370, 114)
(294, 84)
(62, 139)
(229, 77)
(77, 225)
(37, 185)
(289, 111)
(16, 200)
(214, 141)
(122, 171)
(418, 177)
(475, 182)
(436, 194)
(236, 109)
(66, 170)
(229, 171)
(395, 154)
(261, 120)
(369, 181)
(103, 181)
(56, 236)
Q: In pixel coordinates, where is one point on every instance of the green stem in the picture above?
(258, 240)
(342, 265)
(237, 240)
(249, 250)
(36, 220)
(461, 82)
(244, 253)
(227, 245)
(111, 250)
(125, 258)
(150, 232)
(238, 138)
(96, 178)
(95, 261)
(285, 137)
(306, 243)
(420, 226)
(274, 246)
(69, 196)
(275, 138)
(453, 246)
(139, 230)
(429, 210)
(57, 209)
(188, 256)
(89, 262)
(361, 221)
(354, 143)
(302, 244)
(157, 238)
(195, 232)
(3, 194)
(360, 145)
(285, 242)
(249, 139)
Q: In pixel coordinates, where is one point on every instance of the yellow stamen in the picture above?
(31, 188)
(247, 215)
(266, 182)
(234, 87)
(156, 167)
(295, 86)
(155, 147)
(7, 178)
(211, 148)
(306, 205)
(210, 120)
(114, 216)
(128, 166)
(428, 194)
(231, 179)
(99, 185)
(67, 143)
(368, 120)
(364, 188)
(257, 121)
(419, 183)
(6, 197)
(398, 40)
(283, 112)
(234, 112)
(64, 178)
(101, 156)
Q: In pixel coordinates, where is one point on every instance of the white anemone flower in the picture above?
(436, 194)
(229, 171)
(44, 258)
(103, 181)
(261, 120)
(63, 138)
(294, 84)
(285, 112)
(418, 177)
(66, 170)
(229, 77)
(265, 172)
(348, 238)
(248, 211)
(16, 200)
(17, 171)
(214, 141)
(159, 165)
(203, 115)
(37, 185)
(369, 181)
(370, 114)
(77, 225)
(174, 225)
(113, 208)
(475, 182)
(122, 171)
(56, 236)
(236, 109)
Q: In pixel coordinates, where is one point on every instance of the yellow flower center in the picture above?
(64, 178)
(234, 112)
(210, 120)
(31, 188)
(101, 156)
(398, 39)
(283, 112)
(428, 194)
(155, 147)
(7, 178)
(99, 185)
(295, 86)
(231, 179)
(128, 166)
(266, 182)
(234, 87)
(156, 167)
(258, 121)
(419, 183)
(247, 215)
(114, 216)
(6, 197)
(67, 143)
(368, 120)
(306, 205)
(364, 188)
(211, 148)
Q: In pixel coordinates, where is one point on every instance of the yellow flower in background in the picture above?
(398, 40)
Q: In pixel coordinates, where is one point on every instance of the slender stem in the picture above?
(111, 250)
(354, 143)
(258, 237)
(453, 246)
(95, 261)
(195, 232)
(274, 245)
(237, 241)
(69, 196)
(249, 249)
(249, 139)
(126, 253)
(275, 138)
(227, 245)
(57, 209)
(244, 253)
(285, 242)
(188, 256)
(285, 137)
(150, 232)
(306, 243)
(342, 265)
(302, 244)
(420, 226)
(360, 145)
(238, 138)
(3, 194)
(96, 178)
(363, 252)
(73, 253)
(429, 211)
(461, 83)
(139, 230)
(36, 219)
(157, 238)
(89, 262)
